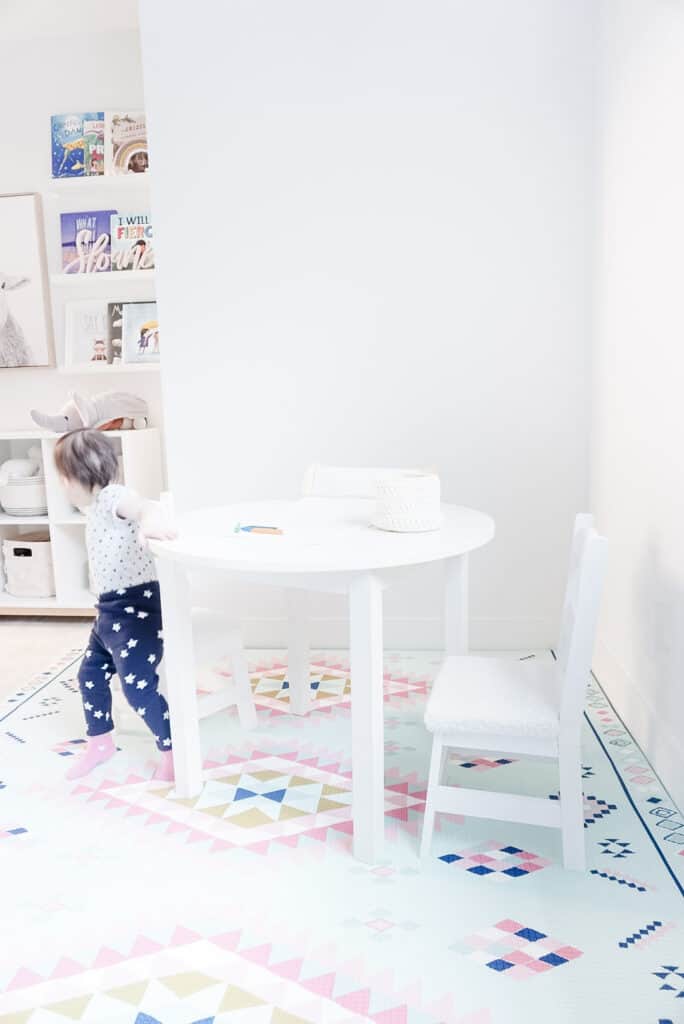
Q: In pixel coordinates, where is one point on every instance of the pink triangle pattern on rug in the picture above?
(155, 808)
(348, 984)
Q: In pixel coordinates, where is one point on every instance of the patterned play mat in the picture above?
(121, 904)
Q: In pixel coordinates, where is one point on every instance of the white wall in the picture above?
(392, 205)
(55, 58)
(638, 484)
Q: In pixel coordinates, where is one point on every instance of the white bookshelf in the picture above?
(101, 370)
(141, 469)
(111, 281)
(126, 192)
(101, 183)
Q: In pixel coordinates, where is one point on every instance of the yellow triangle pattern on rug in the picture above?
(281, 1017)
(188, 983)
(273, 690)
(71, 1008)
(131, 994)
(235, 998)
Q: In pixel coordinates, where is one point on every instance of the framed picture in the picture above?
(25, 324)
(85, 339)
(140, 335)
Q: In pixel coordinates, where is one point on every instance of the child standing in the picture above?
(127, 635)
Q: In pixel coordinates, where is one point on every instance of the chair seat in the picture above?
(498, 696)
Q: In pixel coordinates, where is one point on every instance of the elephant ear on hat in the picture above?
(68, 418)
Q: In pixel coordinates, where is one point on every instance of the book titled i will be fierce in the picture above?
(132, 241)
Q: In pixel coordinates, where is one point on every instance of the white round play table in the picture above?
(327, 545)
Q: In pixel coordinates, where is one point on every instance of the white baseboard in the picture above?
(644, 722)
(408, 634)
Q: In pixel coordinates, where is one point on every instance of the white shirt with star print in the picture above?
(117, 558)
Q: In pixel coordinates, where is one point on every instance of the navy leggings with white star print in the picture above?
(126, 640)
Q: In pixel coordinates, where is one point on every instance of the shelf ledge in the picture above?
(109, 276)
(105, 369)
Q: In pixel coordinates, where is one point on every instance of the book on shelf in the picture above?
(114, 330)
(126, 143)
(77, 145)
(132, 241)
(140, 335)
(85, 339)
(86, 243)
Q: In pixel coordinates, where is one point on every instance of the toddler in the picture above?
(127, 635)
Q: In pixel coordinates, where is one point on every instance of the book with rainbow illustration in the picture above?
(126, 143)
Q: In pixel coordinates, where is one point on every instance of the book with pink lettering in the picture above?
(86, 241)
(132, 241)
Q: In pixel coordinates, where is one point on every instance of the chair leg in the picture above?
(572, 807)
(298, 655)
(244, 697)
(436, 768)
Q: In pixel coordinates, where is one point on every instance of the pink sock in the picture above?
(98, 750)
(164, 770)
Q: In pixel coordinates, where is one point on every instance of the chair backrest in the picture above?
(588, 560)
(345, 481)
(584, 521)
(167, 503)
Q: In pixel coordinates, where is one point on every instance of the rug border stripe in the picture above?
(30, 696)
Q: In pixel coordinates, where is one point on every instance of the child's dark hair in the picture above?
(88, 457)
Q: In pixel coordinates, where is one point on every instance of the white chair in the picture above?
(219, 658)
(345, 481)
(218, 654)
(525, 707)
(322, 482)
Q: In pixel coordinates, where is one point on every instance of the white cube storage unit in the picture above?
(140, 461)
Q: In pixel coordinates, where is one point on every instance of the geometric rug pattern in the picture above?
(122, 904)
(517, 950)
(501, 862)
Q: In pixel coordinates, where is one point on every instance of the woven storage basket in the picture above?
(408, 503)
(28, 566)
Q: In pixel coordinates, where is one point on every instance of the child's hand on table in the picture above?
(153, 521)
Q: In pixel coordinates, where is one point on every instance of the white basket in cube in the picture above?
(28, 565)
(409, 502)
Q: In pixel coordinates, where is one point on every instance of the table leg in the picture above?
(368, 753)
(179, 670)
(456, 605)
(298, 655)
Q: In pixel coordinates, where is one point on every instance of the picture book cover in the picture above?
(77, 145)
(126, 143)
(114, 330)
(85, 337)
(140, 332)
(86, 245)
(132, 241)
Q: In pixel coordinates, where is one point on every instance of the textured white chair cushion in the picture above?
(499, 696)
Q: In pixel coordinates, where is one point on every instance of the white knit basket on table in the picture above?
(408, 503)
